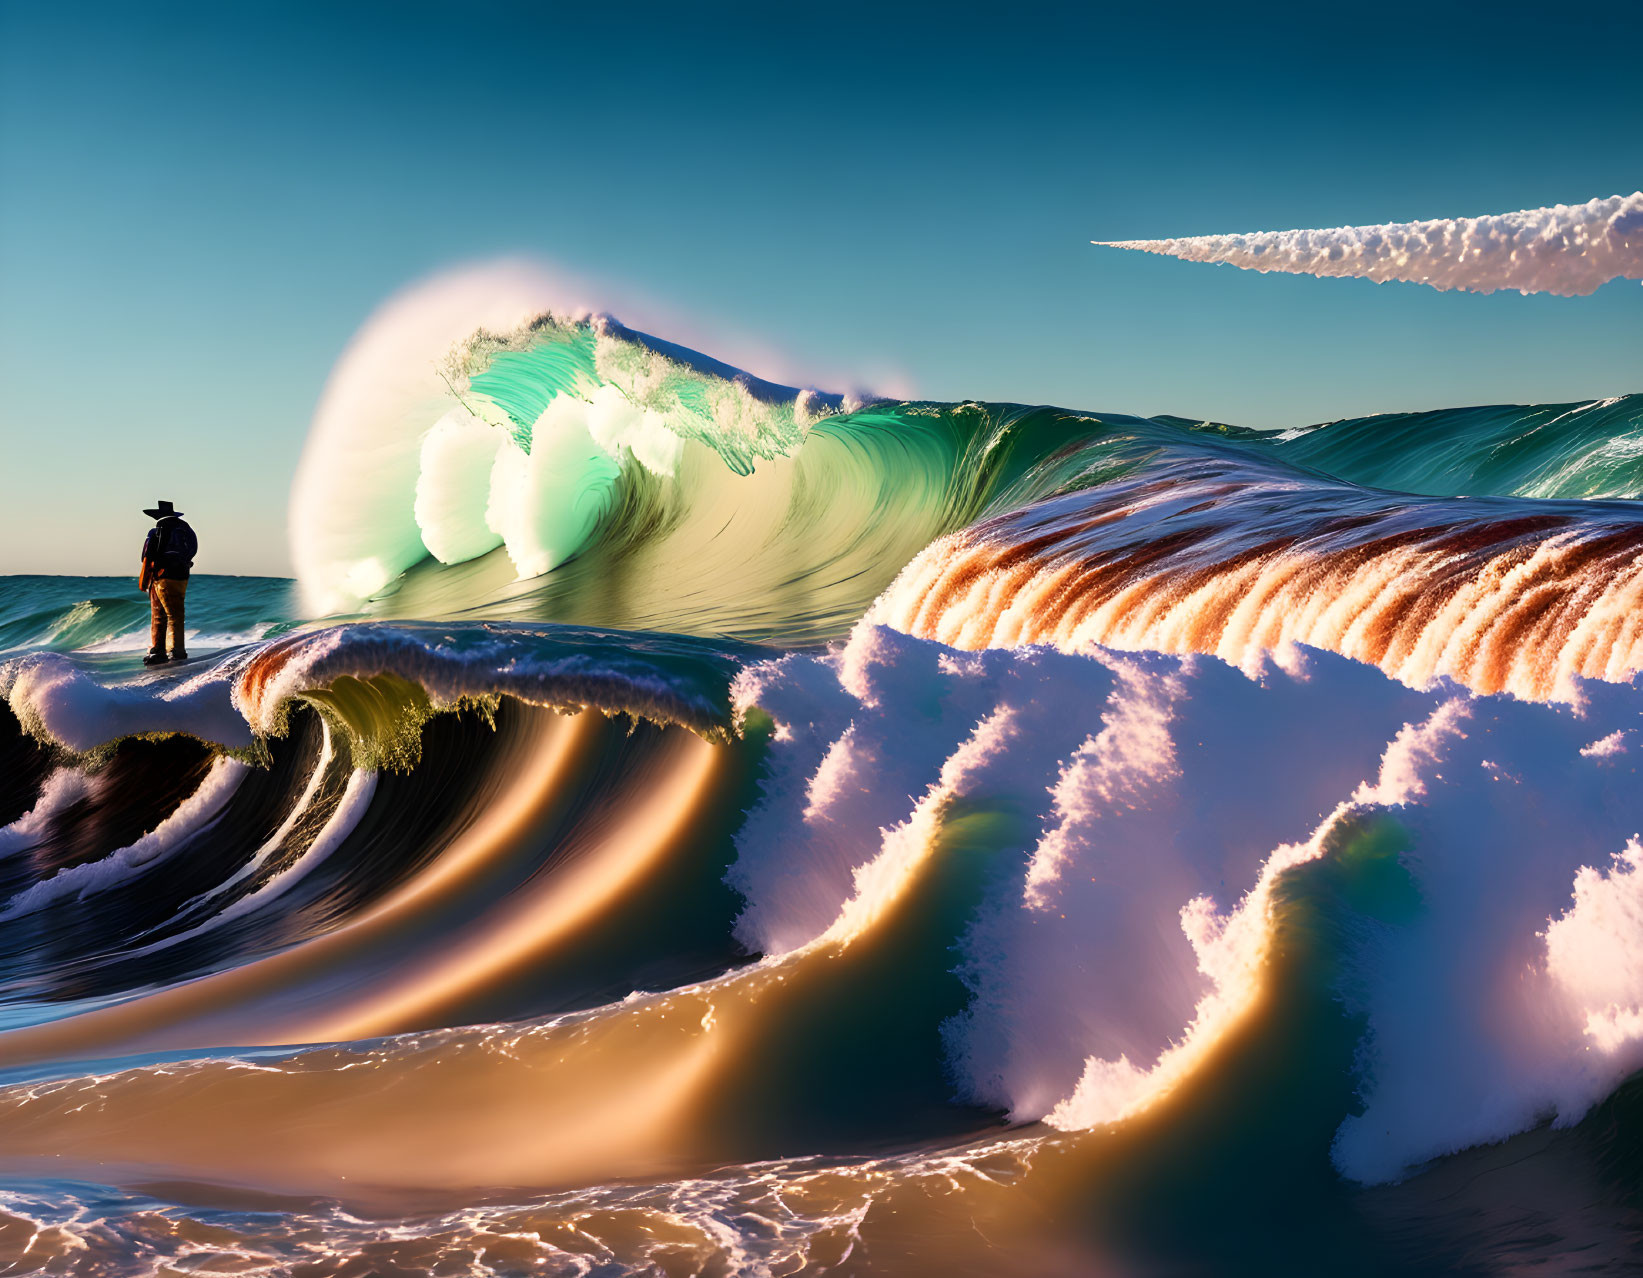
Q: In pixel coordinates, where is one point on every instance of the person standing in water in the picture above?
(168, 554)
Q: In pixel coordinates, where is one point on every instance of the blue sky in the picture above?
(199, 205)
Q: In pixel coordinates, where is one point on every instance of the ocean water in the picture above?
(677, 824)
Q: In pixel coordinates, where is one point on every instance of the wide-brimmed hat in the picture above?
(161, 511)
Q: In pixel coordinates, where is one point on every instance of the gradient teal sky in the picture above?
(199, 205)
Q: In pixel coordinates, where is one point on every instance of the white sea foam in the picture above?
(453, 486)
(350, 808)
(1118, 767)
(1164, 801)
(623, 428)
(1607, 747)
(200, 641)
(353, 504)
(232, 703)
(1566, 249)
(1231, 947)
(1482, 1019)
(852, 757)
(53, 697)
(546, 502)
(1594, 952)
(192, 817)
(271, 845)
(356, 799)
(60, 791)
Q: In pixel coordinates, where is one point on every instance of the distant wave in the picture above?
(1564, 249)
(469, 415)
(107, 614)
(1223, 557)
(1585, 450)
(574, 470)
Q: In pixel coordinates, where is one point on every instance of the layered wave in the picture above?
(990, 914)
(574, 470)
(735, 829)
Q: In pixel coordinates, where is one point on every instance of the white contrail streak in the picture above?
(1568, 249)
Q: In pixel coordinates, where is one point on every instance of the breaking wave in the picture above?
(1218, 557)
(740, 830)
(987, 916)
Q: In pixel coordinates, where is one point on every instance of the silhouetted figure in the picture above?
(168, 554)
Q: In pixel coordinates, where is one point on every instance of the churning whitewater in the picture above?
(679, 823)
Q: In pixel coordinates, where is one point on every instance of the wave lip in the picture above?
(1569, 250)
(665, 681)
(380, 682)
(476, 412)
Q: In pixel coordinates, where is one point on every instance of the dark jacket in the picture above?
(171, 546)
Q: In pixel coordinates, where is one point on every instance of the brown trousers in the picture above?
(165, 598)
